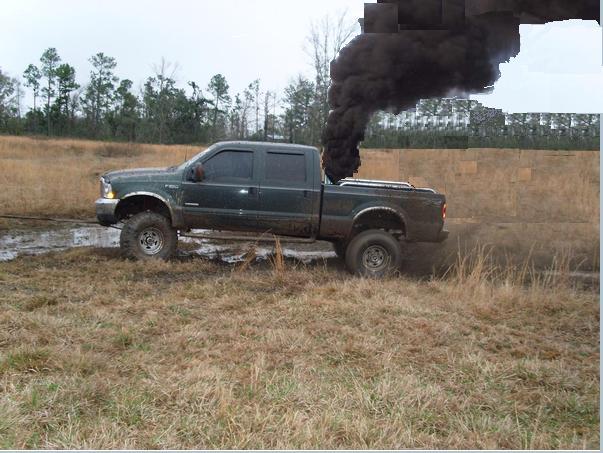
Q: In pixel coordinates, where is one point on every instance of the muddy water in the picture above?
(16, 243)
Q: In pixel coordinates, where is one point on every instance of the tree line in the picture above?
(161, 110)
(464, 123)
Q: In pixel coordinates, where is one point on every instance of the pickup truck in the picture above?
(269, 188)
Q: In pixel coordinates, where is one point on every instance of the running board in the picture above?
(262, 238)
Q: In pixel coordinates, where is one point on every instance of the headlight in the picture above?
(106, 191)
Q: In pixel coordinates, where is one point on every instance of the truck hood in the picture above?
(139, 173)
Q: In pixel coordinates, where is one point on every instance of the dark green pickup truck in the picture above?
(274, 188)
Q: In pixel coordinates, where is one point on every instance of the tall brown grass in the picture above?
(61, 177)
(483, 266)
(277, 260)
(58, 176)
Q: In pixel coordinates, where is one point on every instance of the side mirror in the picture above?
(198, 173)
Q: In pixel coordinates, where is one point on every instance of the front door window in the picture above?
(229, 166)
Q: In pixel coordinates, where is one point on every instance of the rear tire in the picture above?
(148, 236)
(374, 254)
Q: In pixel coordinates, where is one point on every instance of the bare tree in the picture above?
(247, 106)
(327, 37)
(166, 69)
(255, 90)
(165, 76)
(325, 40)
(267, 97)
(19, 93)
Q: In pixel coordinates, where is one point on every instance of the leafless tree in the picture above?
(165, 78)
(166, 69)
(267, 97)
(254, 87)
(325, 40)
(19, 93)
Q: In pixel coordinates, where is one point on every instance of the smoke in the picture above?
(419, 49)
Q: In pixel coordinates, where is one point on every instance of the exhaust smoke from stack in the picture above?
(420, 49)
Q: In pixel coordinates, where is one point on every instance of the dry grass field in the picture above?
(97, 352)
(60, 177)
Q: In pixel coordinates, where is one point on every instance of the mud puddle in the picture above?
(16, 243)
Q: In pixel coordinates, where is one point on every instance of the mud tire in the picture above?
(374, 254)
(148, 236)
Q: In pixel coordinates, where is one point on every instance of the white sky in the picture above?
(558, 70)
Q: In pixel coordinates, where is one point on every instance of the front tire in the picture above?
(148, 236)
(374, 254)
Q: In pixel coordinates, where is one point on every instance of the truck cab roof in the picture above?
(262, 145)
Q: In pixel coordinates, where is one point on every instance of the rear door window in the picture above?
(285, 168)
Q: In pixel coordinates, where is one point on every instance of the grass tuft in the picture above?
(29, 359)
(277, 260)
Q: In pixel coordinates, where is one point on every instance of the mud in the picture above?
(419, 260)
(15, 243)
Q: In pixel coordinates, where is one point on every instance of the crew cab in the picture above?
(269, 188)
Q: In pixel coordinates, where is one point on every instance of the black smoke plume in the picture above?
(419, 49)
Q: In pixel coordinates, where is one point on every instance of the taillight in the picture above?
(444, 208)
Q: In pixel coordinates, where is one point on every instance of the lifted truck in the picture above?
(274, 188)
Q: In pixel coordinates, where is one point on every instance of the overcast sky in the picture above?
(558, 70)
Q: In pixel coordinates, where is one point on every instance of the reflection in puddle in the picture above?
(35, 242)
(235, 252)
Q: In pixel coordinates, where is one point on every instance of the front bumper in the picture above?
(105, 211)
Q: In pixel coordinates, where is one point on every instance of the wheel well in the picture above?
(141, 203)
(379, 219)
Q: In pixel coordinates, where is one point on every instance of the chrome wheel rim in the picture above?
(150, 241)
(375, 258)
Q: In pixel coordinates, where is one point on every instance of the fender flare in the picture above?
(396, 212)
(165, 201)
